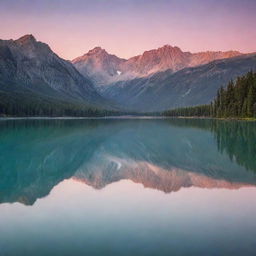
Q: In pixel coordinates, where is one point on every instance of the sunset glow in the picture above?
(127, 28)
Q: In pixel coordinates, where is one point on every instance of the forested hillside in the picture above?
(29, 104)
(237, 100)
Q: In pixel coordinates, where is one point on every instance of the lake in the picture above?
(127, 187)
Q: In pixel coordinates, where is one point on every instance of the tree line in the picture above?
(237, 100)
(199, 111)
(20, 105)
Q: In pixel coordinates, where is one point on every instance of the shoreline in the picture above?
(83, 118)
(124, 117)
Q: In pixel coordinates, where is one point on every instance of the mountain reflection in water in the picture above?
(166, 155)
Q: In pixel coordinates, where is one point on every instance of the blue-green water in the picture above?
(127, 187)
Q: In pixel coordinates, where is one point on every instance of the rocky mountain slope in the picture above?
(27, 65)
(104, 68)
(187, 87)
(99, 65)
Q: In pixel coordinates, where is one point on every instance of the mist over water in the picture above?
(127, 187)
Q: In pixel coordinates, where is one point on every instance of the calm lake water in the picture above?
(127, 187)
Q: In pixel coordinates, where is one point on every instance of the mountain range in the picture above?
(187, 87)
(156, 80)
(105, 68)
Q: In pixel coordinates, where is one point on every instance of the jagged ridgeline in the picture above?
(238, 99)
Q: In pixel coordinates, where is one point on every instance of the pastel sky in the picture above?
(129, 27)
